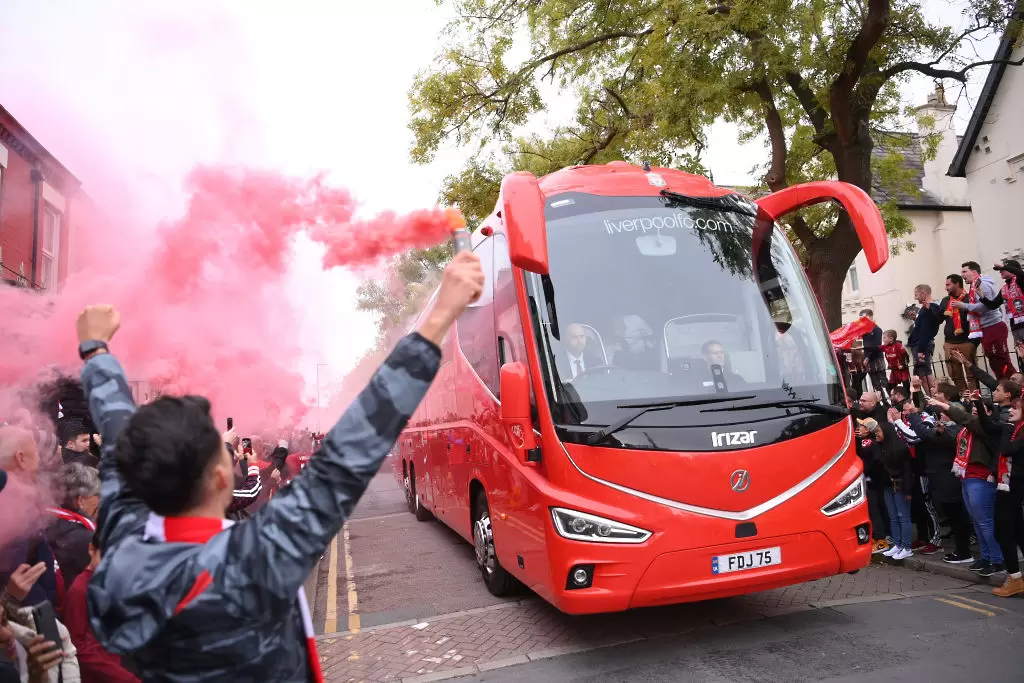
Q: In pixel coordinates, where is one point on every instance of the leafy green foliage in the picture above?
(823, 79)
(405, 286)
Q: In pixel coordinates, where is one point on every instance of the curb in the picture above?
(953, 571)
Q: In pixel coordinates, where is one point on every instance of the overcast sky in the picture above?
(145, 90)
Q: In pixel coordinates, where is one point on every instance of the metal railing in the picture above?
(940, 367)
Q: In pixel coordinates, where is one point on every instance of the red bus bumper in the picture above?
(651, 574)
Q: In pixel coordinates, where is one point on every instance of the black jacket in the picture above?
(1012, 446)
(938, 449)
(69, 541)
(896, 460)
(983, 451)
(926, 327)
(69, 456)
(231, 608)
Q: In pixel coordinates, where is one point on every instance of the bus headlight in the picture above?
(851, 497)
(579, 526)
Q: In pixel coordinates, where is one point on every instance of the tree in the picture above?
(397, 297)
(822, 78)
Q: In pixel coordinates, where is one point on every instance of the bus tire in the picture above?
(412, 497)
(498, 581)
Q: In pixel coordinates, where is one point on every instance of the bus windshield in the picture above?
(660, 299)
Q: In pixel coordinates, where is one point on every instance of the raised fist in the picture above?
(98, 323)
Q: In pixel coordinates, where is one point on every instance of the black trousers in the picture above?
(858, 383)
(1009, 517)
(960, 523)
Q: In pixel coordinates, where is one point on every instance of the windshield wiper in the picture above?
(809, 403)
(728, 202)
(643, 408)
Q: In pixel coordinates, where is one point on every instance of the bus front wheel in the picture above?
(497, 580)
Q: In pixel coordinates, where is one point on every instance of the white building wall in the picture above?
(944, 240)
(995, 170)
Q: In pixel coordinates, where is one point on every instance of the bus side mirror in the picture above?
(515, 412)
(863, 212)
(522, 209)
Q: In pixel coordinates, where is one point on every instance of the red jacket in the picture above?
(96, 664)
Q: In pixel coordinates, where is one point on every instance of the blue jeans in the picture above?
(980, 499)
(899, 517)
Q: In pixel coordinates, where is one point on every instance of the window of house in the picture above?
(476, 324)
(49, 256)
(854, 281)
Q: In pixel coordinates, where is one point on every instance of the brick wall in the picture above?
(20, 156)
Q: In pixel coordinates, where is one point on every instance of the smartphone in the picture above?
(231, 423)
(46, 622)
(247, 445)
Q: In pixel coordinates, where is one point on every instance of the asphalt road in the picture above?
(959, 636)
(402, 600)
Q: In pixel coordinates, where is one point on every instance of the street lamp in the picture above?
(318, 365)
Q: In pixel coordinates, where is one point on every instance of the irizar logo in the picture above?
(732, 439)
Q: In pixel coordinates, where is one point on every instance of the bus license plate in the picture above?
(755, 559)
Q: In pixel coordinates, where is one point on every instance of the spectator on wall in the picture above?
(986, 324)
(927, 321)
(957, 336)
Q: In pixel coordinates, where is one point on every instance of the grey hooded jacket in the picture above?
(246, 623)
(987, 289)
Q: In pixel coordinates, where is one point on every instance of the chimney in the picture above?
(952, 191)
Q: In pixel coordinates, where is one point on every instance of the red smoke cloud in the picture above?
(205, 311)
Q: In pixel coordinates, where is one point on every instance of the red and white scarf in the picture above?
(1005, 464)
(964, 442)
(974, 319)
(201, 530)
(1013, 295)
(70, 516)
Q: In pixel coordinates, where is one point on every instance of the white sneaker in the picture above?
(892, 551)
(903, 554)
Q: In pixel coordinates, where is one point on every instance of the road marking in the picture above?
(979, 602)
(331, 618)
(374, 518)
(350, 584)
(963, 606)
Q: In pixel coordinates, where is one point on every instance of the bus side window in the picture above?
(507, 321)
(476, 324)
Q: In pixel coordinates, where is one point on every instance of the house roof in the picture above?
(905, 199)
(913, 160)
(958, 168)
(19, 137)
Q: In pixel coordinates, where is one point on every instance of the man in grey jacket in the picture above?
(987, 324)
(188, 595)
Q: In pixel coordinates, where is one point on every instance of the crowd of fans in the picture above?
(939, 452)
(54, 481)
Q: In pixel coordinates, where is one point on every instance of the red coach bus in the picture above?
(644, 407)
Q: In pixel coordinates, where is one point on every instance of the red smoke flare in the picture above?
(205, 311)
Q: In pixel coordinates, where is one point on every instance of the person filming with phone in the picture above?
(180, 589)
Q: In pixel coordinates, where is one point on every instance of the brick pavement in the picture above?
(509, 633)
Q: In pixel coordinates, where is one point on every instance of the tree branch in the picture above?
(871, 30)
(808, 100)
(603, 38)
(803, 231)
(776, 176)
(621, 102)
(841, 90)
(601, 145)
(959, 75)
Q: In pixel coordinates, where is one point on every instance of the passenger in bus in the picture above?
(632, 345)
(579, 355)
(714, 354)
